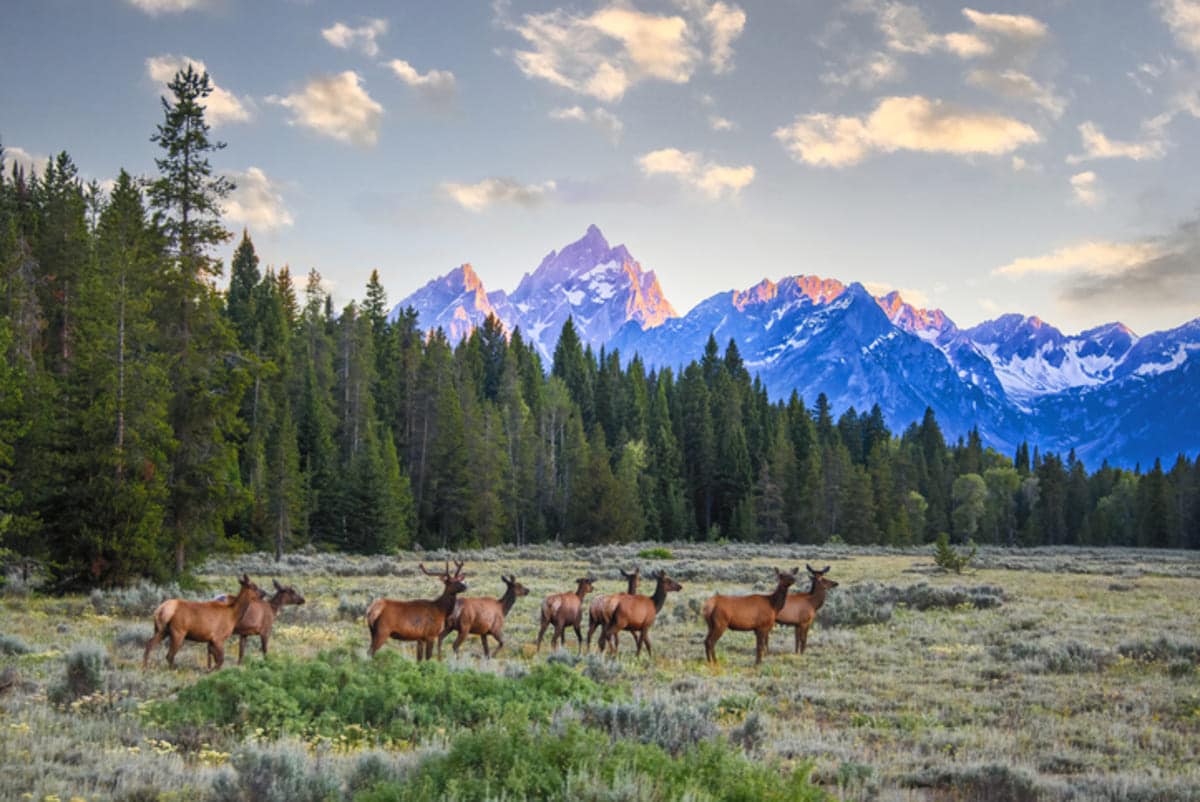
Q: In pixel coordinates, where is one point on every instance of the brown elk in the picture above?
(260, 616)
(756, 612)
(801, 608)
(601, 608)
(564, 610)
(210, 622)
(483, 617)
(635, 613)
(419, 620)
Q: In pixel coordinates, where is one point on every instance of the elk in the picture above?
(756, 612)
(210, 622)
(602, 607)
(483, 616)
(635, 613)
(801, 608)
(564, 610)
(260, 616)
(419, 620)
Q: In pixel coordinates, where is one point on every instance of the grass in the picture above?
(1028, 676)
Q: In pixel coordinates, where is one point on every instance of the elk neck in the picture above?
(660, 596)
(779, 597)
(817, 596)
(508, 599)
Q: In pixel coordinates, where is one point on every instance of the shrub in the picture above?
(670, 724)
(1163, 649)
(84, 673)
(983, 783)
(279, 773)
(1051, 657)
(138, 600)
(510, 760)
(949, 559)
(11, 644)
(387, 699)
(872, 603)
(352, 609)
(128, 637)
(656, 553)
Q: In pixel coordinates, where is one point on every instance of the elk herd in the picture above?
(428, 622)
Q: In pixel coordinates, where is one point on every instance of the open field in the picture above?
(1053, 674)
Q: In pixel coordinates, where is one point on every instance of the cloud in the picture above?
(1098, 257)
(1097, 146)
(909, 295)
(30, 163)
(1165, 278)
(222, 106)
(1183, 18)
(902, 123)
(605, 53)
(436, 86)
(712, 179)
(336, 106)
(905, 31)
(256, 202)
(1085, 189)
(865, 72)
(1017, 85)
(363, 37)
(479, 196)
(601, 119)
(156, 7)
(718, 123)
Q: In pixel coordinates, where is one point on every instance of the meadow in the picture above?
(1035, 674)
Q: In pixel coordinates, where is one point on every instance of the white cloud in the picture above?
(1097, 146)
(479, 196)
(902, 123)
(1086, 190)
(601, 119)
(436, 85)
(1018, 86)
(712, 179)
(222, 106)
(718, 123)
(1019, 164)
(156, 7)
(336, 106)
(1102, 257)
(909, 295)
(30, 163)
(256, 202)
(1010, 26)
(363, 37)
(605, 53)
(905, 31)
(1183, 18)
(865, 72)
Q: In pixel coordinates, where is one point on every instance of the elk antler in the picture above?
(458, 571)
(427, 572)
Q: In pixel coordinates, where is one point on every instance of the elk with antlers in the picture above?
(756, 612)
(635, 613)
(801, 608)
(210, 622)
(483, 616)
(564, 610)
(419, 620)
(260, 616)
(601, 608)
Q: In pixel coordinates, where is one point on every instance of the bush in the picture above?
(11, 644)
(135, 637)
(84, 674)
(872, 603)
(669, 724)
(1049, 657)
(387, 699)
(1163, 649)
(985, 783)
(511, 760)
(280, 773)
(138, 600)
(949, 559)
(656, 553)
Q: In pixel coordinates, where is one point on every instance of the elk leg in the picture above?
(173, 648)
(155, 639)
(241, 648)
(646, 642)
(217, 650)
(499, 644)
(796, 630)
(591, 629)
(715, 631)
(264, 637)
(802, 634)
(458, 642)
(541, 632)
(377, 641)
(578, 637)
(759, 646)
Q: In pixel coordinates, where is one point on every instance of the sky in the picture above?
(1037, 157)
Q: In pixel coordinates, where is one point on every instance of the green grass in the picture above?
(1054, 673)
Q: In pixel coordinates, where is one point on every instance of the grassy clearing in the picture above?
(1012, 681)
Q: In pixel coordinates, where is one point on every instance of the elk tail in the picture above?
(373, 613)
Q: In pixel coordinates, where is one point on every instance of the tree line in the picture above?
(148, 417)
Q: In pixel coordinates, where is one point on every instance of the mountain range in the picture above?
(1106, 392)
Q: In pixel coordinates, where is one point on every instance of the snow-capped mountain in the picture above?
(819, 336)
(457, 303)
(1032, 358)
(601, 287)
(1105, 392)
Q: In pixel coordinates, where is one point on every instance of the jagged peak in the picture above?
(1116, 327)
(761, 292)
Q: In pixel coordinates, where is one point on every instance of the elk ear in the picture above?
(796, 571)
(810, 568)
(826, 570)
(275, 582)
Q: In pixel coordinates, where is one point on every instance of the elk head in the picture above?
(665, 582)
(786, 578)
(451, 582)
(584, 585)
(818, 578)
(287, 594)
(516, 587)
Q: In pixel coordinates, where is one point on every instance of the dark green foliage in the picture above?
(391, 697)
(945, 556)
(656, 553)
(512, 760)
